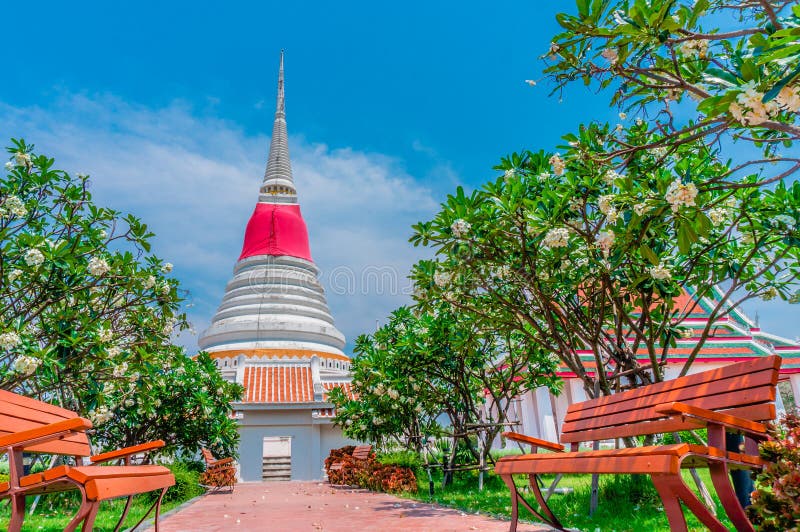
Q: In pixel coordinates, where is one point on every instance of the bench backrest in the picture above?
(745, 389)
(18, 413)
(209, 458)
(362, 452)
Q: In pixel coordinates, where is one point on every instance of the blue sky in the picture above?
(390, 106)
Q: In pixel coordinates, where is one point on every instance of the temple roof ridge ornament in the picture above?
(278, 186)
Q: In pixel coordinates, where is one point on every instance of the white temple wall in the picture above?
(794, 380)
(311, 441)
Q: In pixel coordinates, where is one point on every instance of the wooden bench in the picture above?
(36, 427)
(219, 473)
(735, 398)
(360, 453)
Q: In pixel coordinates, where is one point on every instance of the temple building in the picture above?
(274, 334)
(732, 338)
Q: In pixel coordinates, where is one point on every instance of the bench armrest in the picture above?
(53, 431)
(728, 421)
(127, 451)
(534, 442)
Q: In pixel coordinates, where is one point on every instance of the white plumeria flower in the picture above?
(789, 98)
(718, 215)
(9, 166)
(167, 267)
(605, 203)
(605, 239)
(558, 164)
(460, 228)
(22, 159)
(15, 206)
(556, 238)
(442, 279)
(105, 335)
(660, 272)
(680, 194)
(530, 82)
(9, 340)
(694, 47)
(97, 267)
(610, 176)
(25, 364)
(33, 257)
(13, 275)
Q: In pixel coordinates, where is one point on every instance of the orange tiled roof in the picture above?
(346, 386)
(278, 384)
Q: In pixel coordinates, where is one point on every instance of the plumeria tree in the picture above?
(439, 361)
(86, 312)
(183, 401)
(592, 263)
(723, 71)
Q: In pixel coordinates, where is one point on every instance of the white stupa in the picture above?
(274, 334)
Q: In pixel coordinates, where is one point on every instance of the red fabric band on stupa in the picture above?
(276, 229)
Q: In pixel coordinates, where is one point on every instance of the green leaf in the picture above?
(649, 254)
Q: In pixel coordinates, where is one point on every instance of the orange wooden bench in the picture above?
(735, 398)
(219, 473)
(36, 427)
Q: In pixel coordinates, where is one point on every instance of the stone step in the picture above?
(268, 475)
(276, 467)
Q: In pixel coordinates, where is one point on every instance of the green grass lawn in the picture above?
(47, 518)
(625, 504)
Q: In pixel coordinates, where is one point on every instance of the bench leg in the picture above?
(17, 513)
(83, 511)
(727, 496)
(509, 480)
(537, 492)
(516, 499)
(124, 514)
(157, 506)
(88, 522)
(673, 491)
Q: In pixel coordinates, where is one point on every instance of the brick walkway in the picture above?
(314, 506)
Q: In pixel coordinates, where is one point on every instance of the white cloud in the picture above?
(194, 180)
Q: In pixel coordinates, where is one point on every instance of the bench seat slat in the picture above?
(662, 463)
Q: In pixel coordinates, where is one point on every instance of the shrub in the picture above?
(776, 499)
(392, 479)
(371, 473)
(187, 484)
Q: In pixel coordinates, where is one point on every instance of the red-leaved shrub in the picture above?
(776, 500)
(368, 473)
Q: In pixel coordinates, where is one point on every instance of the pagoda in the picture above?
(274, 334)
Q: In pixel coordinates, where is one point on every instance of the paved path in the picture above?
(314, 506)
